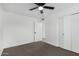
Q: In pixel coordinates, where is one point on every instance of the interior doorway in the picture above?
(38, 31)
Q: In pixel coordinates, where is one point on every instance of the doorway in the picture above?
(38, 31)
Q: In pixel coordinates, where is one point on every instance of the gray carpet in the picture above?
(37, 49)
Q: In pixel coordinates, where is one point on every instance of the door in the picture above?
(75, 32)
(70, 40)
(38, 31)
(61, 32)
(65, 33)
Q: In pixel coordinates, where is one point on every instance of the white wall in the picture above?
(1, 40)
(18, 29)
(51, 31)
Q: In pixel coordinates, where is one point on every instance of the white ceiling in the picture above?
(23, 8)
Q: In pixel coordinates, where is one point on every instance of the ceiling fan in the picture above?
(41, 6)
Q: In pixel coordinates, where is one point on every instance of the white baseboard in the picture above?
(5, 47)
(50, 43)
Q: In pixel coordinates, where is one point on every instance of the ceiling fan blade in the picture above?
(33, 8)
(41, 11)
(48, 7)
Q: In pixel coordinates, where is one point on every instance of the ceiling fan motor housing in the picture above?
(40, 4)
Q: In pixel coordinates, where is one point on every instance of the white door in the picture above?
(61, 32)
(71, 33)
(38, 31)
(65, 33)
(75, 32)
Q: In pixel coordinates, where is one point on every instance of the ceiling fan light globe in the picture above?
(40, 8)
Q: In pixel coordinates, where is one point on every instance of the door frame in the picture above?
(36, 29)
